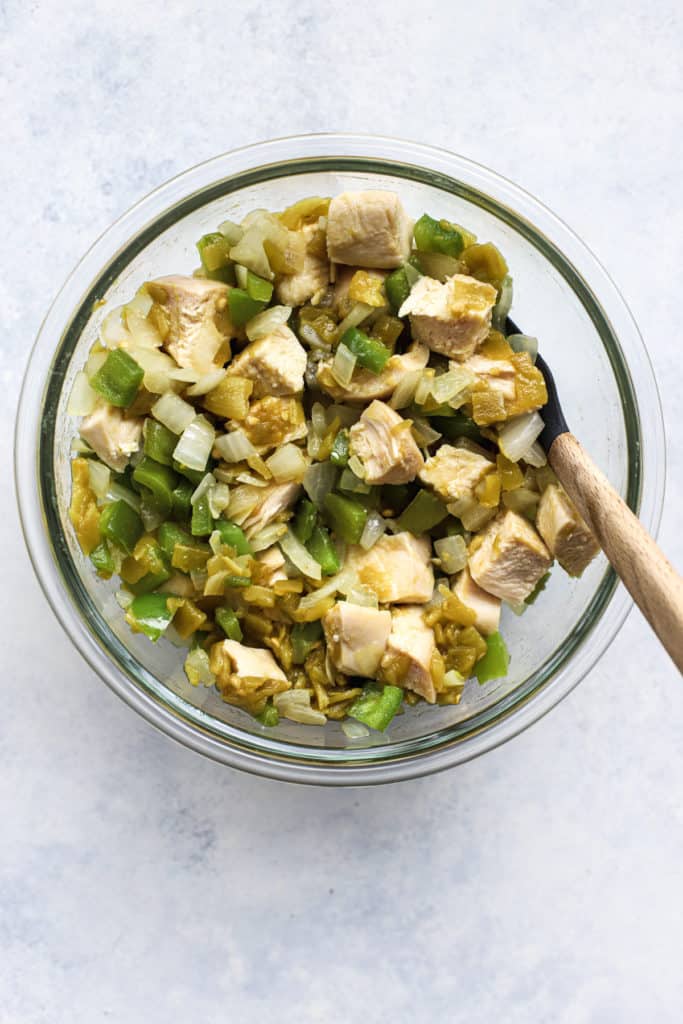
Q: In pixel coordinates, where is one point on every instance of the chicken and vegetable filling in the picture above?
(314, 462)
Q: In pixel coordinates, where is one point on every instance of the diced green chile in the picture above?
(169, 534)
(119, 378)
(159, 480)
(369, 352)
(305, 636)
(233, 535)
(242, 306)
(229, 623)
(346, 517)
(268, 717)
(339, 455)
(438, 236)
(423, 513)
(101, 558)
(159, 441)
(202, 523)
(494, 664)
(320, 546)
(151, 614)
(214, 252)
(377, 705)
(182, 505)
(122, 525)
(304, 521)
(397, 288)
(258, 288)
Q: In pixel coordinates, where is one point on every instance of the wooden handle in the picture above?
(650, 578)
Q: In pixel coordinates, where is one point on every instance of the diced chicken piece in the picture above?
(272, 562)
(273, 421)
(383, 442)
(397, 569)
(484, 605)
(454, 472)
(498, 374)
(368, 229)
(276, 364)
(313, 278)
(510, 558)
(564, 531)
(112, 435)
(246, 676)
(273, 499)
(408, 657)
(199, 328)
(453, 318)
(356, 637)
(367, 385)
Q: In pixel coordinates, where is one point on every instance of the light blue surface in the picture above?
(140, 883)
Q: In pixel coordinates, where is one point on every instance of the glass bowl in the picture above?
(562, 295)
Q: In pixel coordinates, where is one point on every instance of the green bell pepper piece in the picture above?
(118, 379)
(438, 236)
(348, 481)
(160, 442)
(397, 288)
(457, 425)
(495, 662)
(304, 521)
(258, 288)
(268, 717)
(242, 306)
(229, 623)
(339, 455)
(169, 534)
(320, 546)
(347, 517)
(101, 558)
(214, 251)
(122, 525)
(233, 535)
(182, 506)
(238, 581)
(304, 637)
(195, 476)
(424, 512)
(150, 613)
(159, 480)
(369, 352)
(202, 523)
(377, 705)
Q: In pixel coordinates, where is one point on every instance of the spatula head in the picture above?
(553, 417)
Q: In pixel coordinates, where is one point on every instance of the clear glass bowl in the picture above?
(562, 295)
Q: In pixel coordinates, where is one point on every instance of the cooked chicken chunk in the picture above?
(368, 229)
(510, 558)
(383, 442)
(199, 327)
(246, 676)
(498, 374)
(272, 563)
(273, 499)
(453, 318)
(314, 277)
(356, 637)
(276, 364)
(454, 472)
(112, 435)
(408, 658)
(397, 569)
(274, 421)
(367, 385)
(484, 605)
(564, 531)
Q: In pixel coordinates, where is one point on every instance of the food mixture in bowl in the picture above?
(314, 462)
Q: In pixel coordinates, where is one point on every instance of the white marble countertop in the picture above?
(543, 882)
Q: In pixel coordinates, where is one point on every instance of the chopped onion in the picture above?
(241, 275)
(343, 365)
(173, 412)
(452, 680)
(83, 397)
(243, 501)
(151, 518)
(207, 382)
(267, 322)
(524, 343)
(522, 500)
(452, 552)
(117, 492)
(355, 730)
(124, 598)
(296, 705)
(292, 547)
(100, 478)
(453, 387)
(516, 437)
(375, 527)
(535, 456)
(197, 668)
(268, 536)
(319, 480)
(350, 481)
(235, 446)
(359, 312)
(424, 386)
(113, 332)
(140, 304)
(185, 374)
(159, 369)
(96, 359)
(341, 583)
(356, 467)
(423, 433)
(219, 499)
(205, 484)
(318, 419)
(287, 463)
(233, 232)
(404, 392)
(249, 478)
(503, 305)
(362, 596)
(143, 334)
(195, 444)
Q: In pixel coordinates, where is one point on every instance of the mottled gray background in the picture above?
(141, 883)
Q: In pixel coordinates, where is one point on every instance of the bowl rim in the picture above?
(199, 185)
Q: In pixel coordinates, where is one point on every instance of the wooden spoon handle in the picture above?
(650, 578)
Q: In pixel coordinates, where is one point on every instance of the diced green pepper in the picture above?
(101, 558)
(233, 535)
(214, 252)
(268, 717)
(150, 614)
(304, 637)
(458, 425)
(242, 306)
(159, 480)
(348, 481)
(258, 288)
(486, 263)
(195, 476)
(495, 662)
(238, 581)
(339, 454)
(304, 521)
(320, 546)
(438, 236)
(376, 706)
(122, 525)
(149, 582)
(540, 586)
(160, 442)
(118, 379)
(423, 513)
(395, 498)
(202, 523)
(169, 534)
(347, 517)
(397, 288)
(182, 506)
(369, 352)
(229, 623)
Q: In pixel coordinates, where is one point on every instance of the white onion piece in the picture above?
(343, 365)
(95, 361)
(295, 551)
(423, 433)
(363, 597)
(243, 501)
(143, 334)
(359, 312)
(318, 419)
(424, 386)
(173, 412)
(524, 343)
(404, 392)
(158, 369)
(117, 492)
(287, 463)
(516, 437)
(207, 382)
(355, 730)
(205, 484)
(375, 527)
(296, 705)
(219, 499)
(319, 480)
(267, 322)
(233, 232)
(452, 551)
(268, 536)
(100, 478)
(535, 456)
(197, 668)
(195, 444)
(141, 303)
(235, 446)
(113, 332)
(83, 397)
(241, 275)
